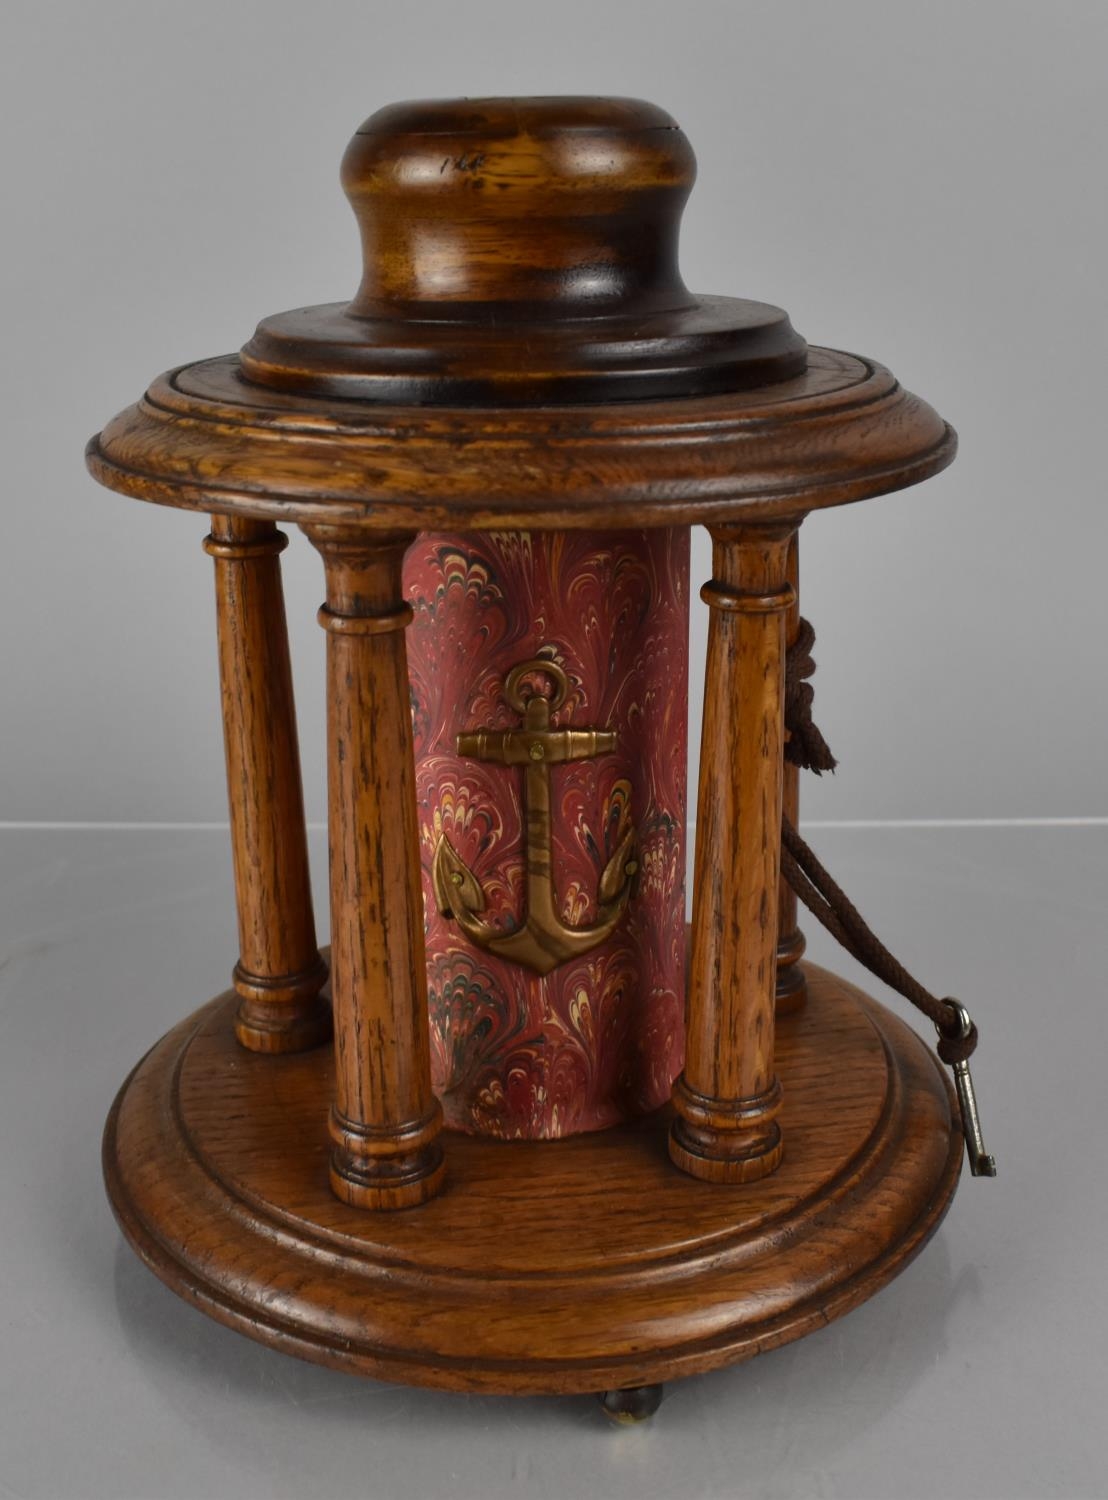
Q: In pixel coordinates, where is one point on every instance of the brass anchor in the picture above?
(543, 941)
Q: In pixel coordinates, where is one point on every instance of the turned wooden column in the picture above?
(728, 1097)
(279, 973)
(385, 1120)
(792, 988)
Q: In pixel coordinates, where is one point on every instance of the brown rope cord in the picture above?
(806, 747)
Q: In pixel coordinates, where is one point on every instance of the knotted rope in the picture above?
(806, 747)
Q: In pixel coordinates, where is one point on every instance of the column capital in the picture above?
(236, 539)
(347, 539)
(754, 531)
(364, 571)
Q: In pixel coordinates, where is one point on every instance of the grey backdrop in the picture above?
(922, 183)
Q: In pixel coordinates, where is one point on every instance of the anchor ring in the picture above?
(536, 666)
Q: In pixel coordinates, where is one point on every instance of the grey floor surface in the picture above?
(982, 1371)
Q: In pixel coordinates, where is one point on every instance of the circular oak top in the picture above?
(522, 352)
(206, 439)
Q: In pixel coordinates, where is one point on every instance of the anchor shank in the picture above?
(541, 913)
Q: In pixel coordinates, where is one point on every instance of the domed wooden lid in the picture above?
(521, 252)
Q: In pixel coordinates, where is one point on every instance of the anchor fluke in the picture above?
(455, 885)
(619, 872)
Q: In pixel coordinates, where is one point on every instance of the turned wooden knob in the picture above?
(521, 252)
(561, 208)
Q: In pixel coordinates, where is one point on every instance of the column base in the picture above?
(396, 1167)
(573, 1266)
(287, 1014)
(791, 991)
(726, 1140)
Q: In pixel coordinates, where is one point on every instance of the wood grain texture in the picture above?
(521, 252)
(791, 989)
(385, 1120)
(545, 1266)
(728, 1097)
(279, 973)
(564, 206)
(203, 438)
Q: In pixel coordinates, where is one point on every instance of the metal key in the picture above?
(980, 1162)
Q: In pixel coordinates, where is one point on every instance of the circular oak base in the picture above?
(577, 1266)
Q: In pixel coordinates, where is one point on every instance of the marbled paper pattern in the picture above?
(599, 1039)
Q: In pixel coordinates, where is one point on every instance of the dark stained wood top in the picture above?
(566, 208)
(521, 252)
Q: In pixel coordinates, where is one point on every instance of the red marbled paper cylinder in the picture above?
(599, 1038)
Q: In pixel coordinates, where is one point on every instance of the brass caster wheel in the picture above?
(638, 1404)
